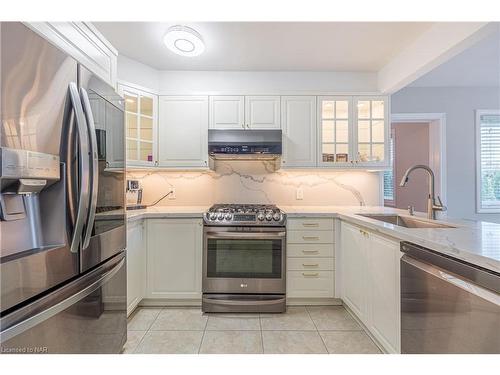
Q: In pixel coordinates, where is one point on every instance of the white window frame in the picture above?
(390, 202)
(479, 207)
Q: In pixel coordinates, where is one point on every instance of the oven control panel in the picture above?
(258, 215)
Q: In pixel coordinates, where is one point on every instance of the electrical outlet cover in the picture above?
(299, 194)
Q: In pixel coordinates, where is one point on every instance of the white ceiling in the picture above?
(268, 46)
(479, 66)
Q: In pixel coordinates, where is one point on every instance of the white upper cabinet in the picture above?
(262, 112)
(298, 114)
(227, 112)
(183, 131)
(83, 42)
(371, 131)
(334, 131)
(141, 121)
(353, 131)
(245, 112)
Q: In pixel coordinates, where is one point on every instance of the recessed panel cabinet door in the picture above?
(353, 265)
(174, 249)
(262, 112)
(227, 112)
(183, 131)
(136, 265)
(298, 114)
(384, 291)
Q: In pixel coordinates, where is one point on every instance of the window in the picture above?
(488, 160)
(389, 175)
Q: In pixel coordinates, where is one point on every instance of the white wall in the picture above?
(236, 82)
(131, 71)
(262, 83)
(459, 104)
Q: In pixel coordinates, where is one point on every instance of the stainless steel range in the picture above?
(244, 256)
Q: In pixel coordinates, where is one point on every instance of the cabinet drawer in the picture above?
(310, 236)
(310, 224)
(310, 264)
(310, 250)
(310, 284)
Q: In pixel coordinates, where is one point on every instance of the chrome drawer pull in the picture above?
(310, 265)
(310, 224)
(316, 274)
(310, 251)
(310, 238)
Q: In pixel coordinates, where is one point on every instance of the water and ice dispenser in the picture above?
(32, 201)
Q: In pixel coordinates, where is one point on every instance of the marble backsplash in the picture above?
(257, 182)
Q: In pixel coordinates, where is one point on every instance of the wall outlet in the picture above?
(299, 194)
(172, 194)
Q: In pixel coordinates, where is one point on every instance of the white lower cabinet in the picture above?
(310, 258)
(136, 265)
(384, 292)
(353, 269)
(370, 282)
(174, 249)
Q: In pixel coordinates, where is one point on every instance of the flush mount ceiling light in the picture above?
(184, 41)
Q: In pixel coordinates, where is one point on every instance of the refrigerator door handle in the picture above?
(84, 167)
(94, 163)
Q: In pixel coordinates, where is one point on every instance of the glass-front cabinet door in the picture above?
(334, 132)
(371, 131)
(140, 122)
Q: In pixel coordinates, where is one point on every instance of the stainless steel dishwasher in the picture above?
(447, 305)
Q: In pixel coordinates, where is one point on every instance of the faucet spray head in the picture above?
(404, 180)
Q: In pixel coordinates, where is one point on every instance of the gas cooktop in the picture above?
(245, 214)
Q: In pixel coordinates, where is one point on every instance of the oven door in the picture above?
(244, 260)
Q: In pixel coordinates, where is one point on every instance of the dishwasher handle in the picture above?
(464, 270)
(455, 280)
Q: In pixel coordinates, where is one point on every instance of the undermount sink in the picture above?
(405, 221)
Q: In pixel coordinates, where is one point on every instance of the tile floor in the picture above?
(301, 330)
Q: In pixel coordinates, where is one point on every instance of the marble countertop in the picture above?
(476, 242)
(167, 212)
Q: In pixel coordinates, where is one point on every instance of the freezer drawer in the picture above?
(86, 316)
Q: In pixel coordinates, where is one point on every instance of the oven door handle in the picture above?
(239, 235)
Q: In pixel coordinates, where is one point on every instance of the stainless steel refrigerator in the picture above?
(62, 198)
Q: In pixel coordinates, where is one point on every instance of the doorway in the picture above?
(415, 139)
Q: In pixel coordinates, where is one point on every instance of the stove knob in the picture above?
(213, 216)
(228, 216)
(277, 216)
(261, 216)
(269, 216)
(220, 216)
